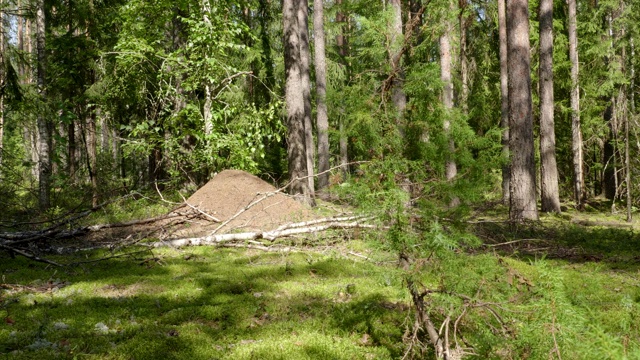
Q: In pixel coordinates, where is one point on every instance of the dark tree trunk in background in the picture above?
(92, 156)
(44, 126)
(550, 197)
(322, 120)
(305, 77)
(504, 101)
(576, 131)
(523, 174)
(294, 102)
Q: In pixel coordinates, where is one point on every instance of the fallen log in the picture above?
(291, 229)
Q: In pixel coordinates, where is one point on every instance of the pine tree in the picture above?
(522, 186)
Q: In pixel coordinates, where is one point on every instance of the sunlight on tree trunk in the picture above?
(305, 78)
(550, 197)
(523, 174)
(322, 120)
(451, 169)
(395, 55)
(294, 100)
(504, 101)
(44, 127)
(576, 131)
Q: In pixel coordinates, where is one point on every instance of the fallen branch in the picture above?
(29, 256)
(267, 235)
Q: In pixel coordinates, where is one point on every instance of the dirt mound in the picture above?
(231, 191)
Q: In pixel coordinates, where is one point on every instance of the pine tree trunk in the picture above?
(341, 43)
(398, 95)
(305, 77)
(451, 169)
(322, 120)
(576, 132)
(294, 102)
(464, 67)
(550, 196)
(44, 127)
(632, 99)
(2, 82)
(523, 175)
(504, 101)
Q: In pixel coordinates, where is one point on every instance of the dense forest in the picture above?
(446, 126)
(102, 97)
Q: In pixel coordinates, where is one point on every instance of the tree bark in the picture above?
(576, 132)
(398, 95)
(322, 120)
(341, 43)
(550, 197)
(451, 169)
(294, 102)
(2, 83)
(523, 175)
(464, 66)
(504, 101)
(92, 152)
(305, 59)
(44, 126)
(632, 100)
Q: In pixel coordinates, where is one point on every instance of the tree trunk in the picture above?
(44, 127)
(92, 153)
(576, 132)
(294, 102)
(71, 150)
(2, 82)
(305, 77)
(504, 101)
(464, 67)
(451, 169)
(398, 95)
(627, 125)
(523, 175)
(341, 43)
(550, 196)
(322, 120)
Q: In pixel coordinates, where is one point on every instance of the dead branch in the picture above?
(267, 235)
(322, 221)
(29, 256)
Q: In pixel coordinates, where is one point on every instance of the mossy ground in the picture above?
(215, 303)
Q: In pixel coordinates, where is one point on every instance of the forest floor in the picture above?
(567, 287)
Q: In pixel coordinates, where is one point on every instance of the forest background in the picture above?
(421, 112)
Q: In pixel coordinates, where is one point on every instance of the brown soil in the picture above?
(231, 191)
